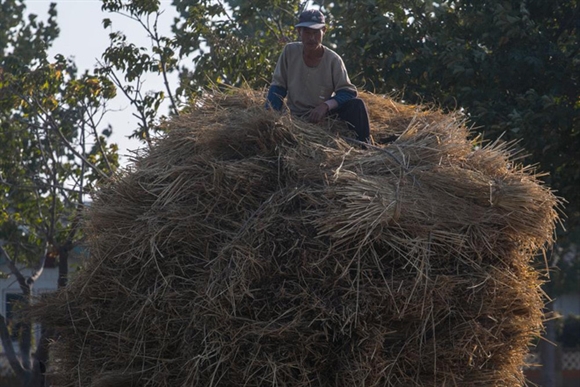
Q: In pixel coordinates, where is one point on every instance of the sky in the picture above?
(83, 38)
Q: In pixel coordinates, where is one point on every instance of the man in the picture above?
(315, 81)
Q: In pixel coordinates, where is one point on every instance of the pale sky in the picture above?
(83, 38)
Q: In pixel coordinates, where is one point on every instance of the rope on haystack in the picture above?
(252, 249)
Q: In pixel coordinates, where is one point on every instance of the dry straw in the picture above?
(252, 249)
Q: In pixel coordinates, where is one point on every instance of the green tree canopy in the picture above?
(47, 114)
(52, 150)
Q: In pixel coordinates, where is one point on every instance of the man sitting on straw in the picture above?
(315, 80)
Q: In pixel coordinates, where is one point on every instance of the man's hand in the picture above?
(318, 113)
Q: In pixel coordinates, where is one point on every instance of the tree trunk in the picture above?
(12, 357)
(63, 253)
(40, 360)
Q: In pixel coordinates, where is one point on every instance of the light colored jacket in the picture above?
(307, 87)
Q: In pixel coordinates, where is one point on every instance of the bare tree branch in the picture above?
(12, 265)
(154, 35)
(49, 119)
(37, 271)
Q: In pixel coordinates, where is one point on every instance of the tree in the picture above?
(234, 43)
(125, 64)
(49, 118)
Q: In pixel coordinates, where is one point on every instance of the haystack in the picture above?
(252, 249)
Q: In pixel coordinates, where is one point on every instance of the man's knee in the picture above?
(356, 104)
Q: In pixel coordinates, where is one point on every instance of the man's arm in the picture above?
(276, 95)
(340, 97)
(279, 85)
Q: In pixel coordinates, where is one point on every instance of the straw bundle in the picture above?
(252, 249)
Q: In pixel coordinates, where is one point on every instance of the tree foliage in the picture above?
(52, 151)
(47, 114)
(232, 42)
(127, 65)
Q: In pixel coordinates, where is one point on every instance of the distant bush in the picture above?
(9, 380)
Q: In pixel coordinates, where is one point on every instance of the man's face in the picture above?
(310, 37)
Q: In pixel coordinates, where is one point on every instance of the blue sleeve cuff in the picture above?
(341, 96)
(276, 95)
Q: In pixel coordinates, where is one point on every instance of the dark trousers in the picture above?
(354, 112)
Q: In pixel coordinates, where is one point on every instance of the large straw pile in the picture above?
(249, 249)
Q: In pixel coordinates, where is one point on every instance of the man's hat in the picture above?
(311, 18)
